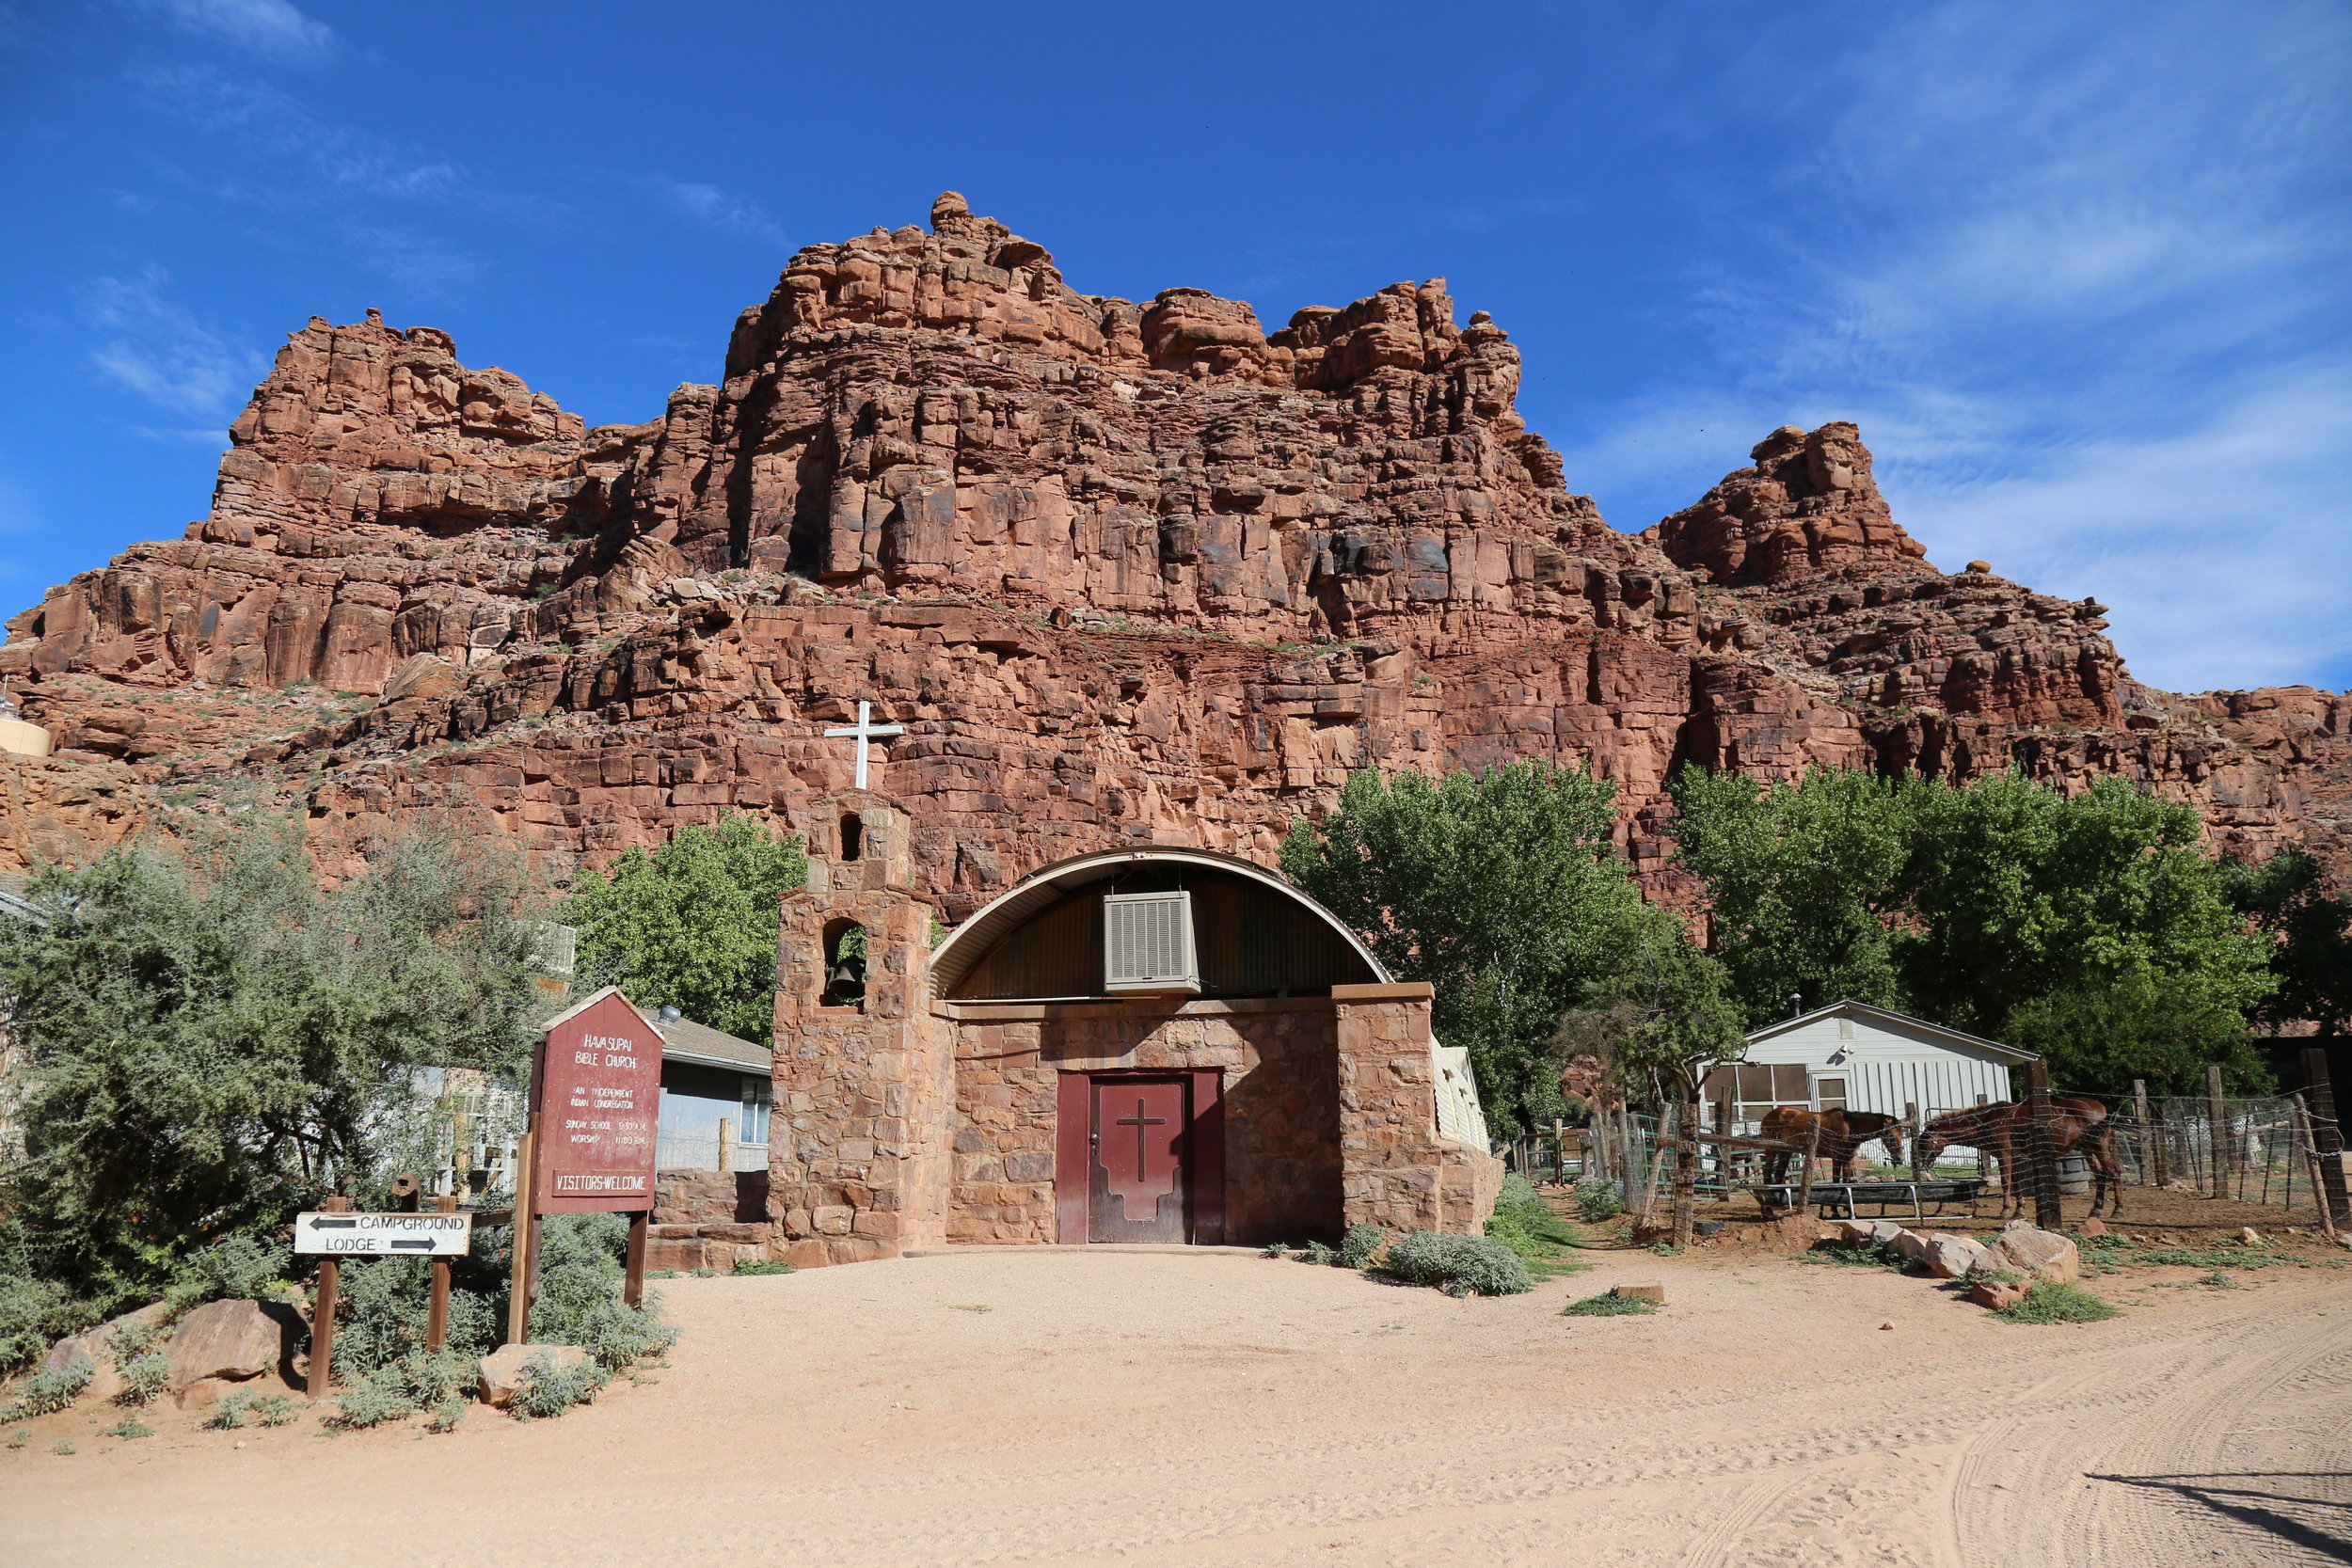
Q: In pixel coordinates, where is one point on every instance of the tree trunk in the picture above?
(1687, 1176)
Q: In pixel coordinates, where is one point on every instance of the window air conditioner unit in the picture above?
(1146, 945)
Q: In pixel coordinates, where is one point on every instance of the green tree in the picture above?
(1804, 882)
(2026, 905)
(2311, 928)
(210, 1038)
(1659, 1019)
(694, 923)
(1504, 889)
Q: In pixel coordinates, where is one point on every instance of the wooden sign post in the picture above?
(322, 1314)
(595, 1106)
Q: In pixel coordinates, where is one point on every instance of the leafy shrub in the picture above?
(435, 1377)
(380, 1396)
(235, 1268)
(763, 1266)
(1361, 1244)
(1317, 1252)
(547, 1391)
(581, 1272)
(1523, 1222)
(447, 1414)
(35, 1314)
(1278, 1250)
(1598, 1198)
(1459, 1265)
(143, 1378)
(276, 1410)
(21, 1436)
(1665, 1249)
(2053, 1301)
(229, 1414)
(386, 1305)
(44, 1393)
(1855, 1254)
(61, 1445)
(1607, 1306)
(130, 1426)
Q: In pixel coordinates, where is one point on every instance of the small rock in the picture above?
(1995, 1294)
(1641, 1292)
(502, 1368)
(1884, 1326)
(2094, 1226)
(1980, 566)
(1949, 1257)
(1851, 1230)
(2249, 1236)
(1908, 1245)
(2037, 1254)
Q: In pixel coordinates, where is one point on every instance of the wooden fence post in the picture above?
(1911, 1129)
(726, 1145)
(518, 1284)
(1687, 1175)
(322, 1314)
(1804, 1187)
(2041, 1160)
(2218, 1131)
(436, 1312)
(2326, 1136)
(1984, 1161)
(2139, 1124)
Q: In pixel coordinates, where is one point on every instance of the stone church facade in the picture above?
(995, 1088)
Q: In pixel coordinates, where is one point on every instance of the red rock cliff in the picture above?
(1123, 571)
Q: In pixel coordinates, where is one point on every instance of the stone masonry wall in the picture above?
(709, 1219)
(1401, 1174)
(1281, 1110)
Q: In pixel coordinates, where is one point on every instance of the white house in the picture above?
(1853, 1056)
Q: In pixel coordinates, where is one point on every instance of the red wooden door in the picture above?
(1138, 1187)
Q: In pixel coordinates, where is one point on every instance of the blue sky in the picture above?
(2076, 269)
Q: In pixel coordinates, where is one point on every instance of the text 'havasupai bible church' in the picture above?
(1140, 1045)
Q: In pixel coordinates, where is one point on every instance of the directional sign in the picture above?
(353, 1235)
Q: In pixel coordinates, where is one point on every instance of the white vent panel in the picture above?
(1147, 943)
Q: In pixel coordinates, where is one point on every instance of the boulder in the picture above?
(1907, 1245)
(1641, 1292)
(1949, 1257)
(96, 1346)
(1854, 1230)
(1883, 1231)
(1995, 1294)
(502, 1368)
(223, 1343)
(2036, 1254)
(2094, 1226)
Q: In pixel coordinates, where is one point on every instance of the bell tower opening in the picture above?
(844, 965)
(853, 835)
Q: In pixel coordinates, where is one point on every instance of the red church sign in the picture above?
(598, 1092)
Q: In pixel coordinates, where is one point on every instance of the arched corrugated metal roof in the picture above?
(971, 941)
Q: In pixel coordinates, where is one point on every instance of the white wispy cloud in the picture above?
(150, 346)
(2080, 284)
(713, 208)
(328, 159)
(272, 29)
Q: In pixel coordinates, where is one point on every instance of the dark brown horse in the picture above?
(1842, 1133)
(2077, 1124)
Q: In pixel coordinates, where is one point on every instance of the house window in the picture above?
(1829, 1094)
(753, 1126)
(1756, 1087)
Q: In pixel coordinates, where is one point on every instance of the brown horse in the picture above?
(1842, 1133)
(2077, 1123)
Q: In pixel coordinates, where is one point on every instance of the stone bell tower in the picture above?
(865, 1078)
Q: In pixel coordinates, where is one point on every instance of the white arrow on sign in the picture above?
(353, 1235)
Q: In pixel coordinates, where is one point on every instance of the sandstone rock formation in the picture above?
(1123, 571)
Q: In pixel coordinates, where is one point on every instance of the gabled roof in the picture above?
(683, 1038)
(1868, 1014)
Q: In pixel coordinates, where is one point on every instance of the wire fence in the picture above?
(2259, 1151)
(688, 1151)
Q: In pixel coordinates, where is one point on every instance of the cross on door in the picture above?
(865, 729)
(1139, 1121)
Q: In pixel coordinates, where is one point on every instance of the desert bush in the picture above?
(1855, 1254)
(1523, 1222)
(1361, 1244)
(380, 1396)
(2053, 1301)
(1459, 1265)
(143, 1377)
(229, 1414)
(276, 1410)
(44, 1393)
(1606, 1306)
(764, 1266)
(580, 1271)
(1317, 1252)
(435, 1377)
(1597, 1199)
(34, 1314)
(235, 1268)
(547, 1391)
(1278, 1250)
(130, 1426)
(447, 1414)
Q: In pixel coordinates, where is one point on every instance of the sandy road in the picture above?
(1220, 1410)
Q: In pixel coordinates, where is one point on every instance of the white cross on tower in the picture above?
(865, 729)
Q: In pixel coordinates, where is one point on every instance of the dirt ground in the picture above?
(1133, 1407)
